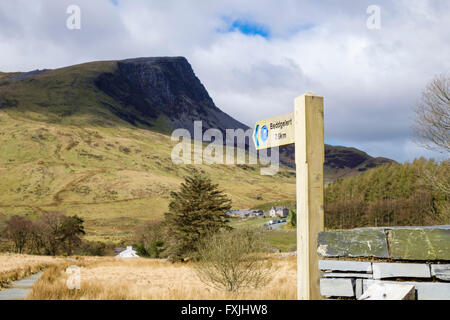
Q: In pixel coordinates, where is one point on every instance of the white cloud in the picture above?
(371, 79)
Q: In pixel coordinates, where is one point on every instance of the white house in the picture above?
(128, 253)
(282, 212)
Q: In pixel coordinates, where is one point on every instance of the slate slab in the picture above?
(337, 287)
(384, 270)
(441, 271)
(399, 243)
(346, 275)
(358, 288)
(365, 242)
(424, 290)
(389, 291)
(432, 243)
(341, 265)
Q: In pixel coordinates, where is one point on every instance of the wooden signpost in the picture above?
(305, 128)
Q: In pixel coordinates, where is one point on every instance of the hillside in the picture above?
(67, 145)
(92, 140)
(114, 177)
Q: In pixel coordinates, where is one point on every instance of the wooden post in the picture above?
(309, 159)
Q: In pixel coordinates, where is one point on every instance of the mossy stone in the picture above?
(420, 244)
(367, 242)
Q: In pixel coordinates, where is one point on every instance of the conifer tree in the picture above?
(195, 211)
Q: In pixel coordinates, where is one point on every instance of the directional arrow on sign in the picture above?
(255, 136)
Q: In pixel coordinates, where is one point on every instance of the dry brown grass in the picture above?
(14, 267)
(148, 279)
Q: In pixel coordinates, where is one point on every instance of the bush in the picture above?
(233, 260)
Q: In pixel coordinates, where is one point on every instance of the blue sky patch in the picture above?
(247, 27)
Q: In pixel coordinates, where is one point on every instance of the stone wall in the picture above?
(355, 259)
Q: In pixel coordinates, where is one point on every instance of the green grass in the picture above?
(285, 240)
(248, 223)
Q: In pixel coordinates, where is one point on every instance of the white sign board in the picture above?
(274, 132)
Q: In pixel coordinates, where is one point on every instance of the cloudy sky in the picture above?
(256, 56)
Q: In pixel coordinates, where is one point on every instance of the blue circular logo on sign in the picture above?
(264, 133)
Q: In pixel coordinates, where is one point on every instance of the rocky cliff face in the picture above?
(151, 87)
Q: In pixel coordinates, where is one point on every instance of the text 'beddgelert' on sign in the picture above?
(274, 132)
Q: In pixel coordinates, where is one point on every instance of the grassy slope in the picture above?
(60, 149)
(114, 177)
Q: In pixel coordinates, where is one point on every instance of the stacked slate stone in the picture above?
(419, 256)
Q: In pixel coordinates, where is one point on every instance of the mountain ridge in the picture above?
(163, 93)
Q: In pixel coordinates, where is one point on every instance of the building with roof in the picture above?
(128, 253)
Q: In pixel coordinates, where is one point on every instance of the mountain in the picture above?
(92, 139)
(155, 87)
(157, 93)
(160, 93)
(340, 162)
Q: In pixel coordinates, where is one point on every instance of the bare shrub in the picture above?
(432, 130)
(50, 225)
(18, 230)
(55, 231)
(233, 260)
(432, 122)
